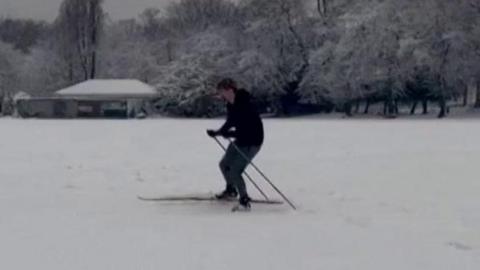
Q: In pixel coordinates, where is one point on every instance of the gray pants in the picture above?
(234, 163)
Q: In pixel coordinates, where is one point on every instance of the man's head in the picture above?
(226, 89)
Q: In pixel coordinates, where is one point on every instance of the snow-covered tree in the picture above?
(383, 44)
(10, 67)
(274, 28)
(43, 70)
(259, 74)
(281, 50)
(126, 53)
(22, 33)
(79, 26)
(441, 37)
(186, 16)
(190, 80)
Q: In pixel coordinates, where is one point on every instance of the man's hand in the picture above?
(212, 133)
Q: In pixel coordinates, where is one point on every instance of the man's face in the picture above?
(227, 94)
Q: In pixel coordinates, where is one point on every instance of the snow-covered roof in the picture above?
(21, 95)
(109, 88)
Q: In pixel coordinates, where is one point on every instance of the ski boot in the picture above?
(229, 194)
(243, 205)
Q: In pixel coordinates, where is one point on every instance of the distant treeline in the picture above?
(295, 56)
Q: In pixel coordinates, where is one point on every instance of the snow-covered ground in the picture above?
(371, 195)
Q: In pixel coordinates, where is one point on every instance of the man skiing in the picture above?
(244, 124)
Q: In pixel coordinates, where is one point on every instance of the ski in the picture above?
(205, 197)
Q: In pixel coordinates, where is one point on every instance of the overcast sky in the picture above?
(48, 9)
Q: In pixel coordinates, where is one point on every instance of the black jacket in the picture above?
(244, 118)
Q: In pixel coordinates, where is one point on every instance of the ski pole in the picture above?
(246, 174)
(262, 174)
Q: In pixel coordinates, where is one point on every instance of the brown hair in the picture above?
(227, 83)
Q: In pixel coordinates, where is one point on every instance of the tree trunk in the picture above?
(425, 106)
(414, 106)
(443, 109)
(322, 7)
(169, 51)
(70, 71)
(390, 110)
(367, 106)
(85, 70)
(93, 67)
(465, 95)
(93, 38)
(7, 103)
(1, 105)
(348, 108)
(477, 103)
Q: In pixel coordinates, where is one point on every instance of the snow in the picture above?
(371, 194)
(109, 87)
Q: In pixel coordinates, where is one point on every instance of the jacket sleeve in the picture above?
(225, 129)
